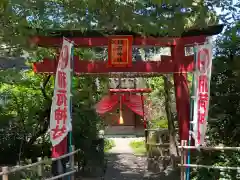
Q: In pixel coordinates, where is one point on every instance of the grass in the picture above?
(138, 147)
(108, 144)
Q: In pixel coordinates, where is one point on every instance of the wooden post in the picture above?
(39, 168)
(72, 162)
(146, 136)
(5, 171)
(159, 134)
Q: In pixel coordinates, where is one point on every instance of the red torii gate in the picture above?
(177, 63)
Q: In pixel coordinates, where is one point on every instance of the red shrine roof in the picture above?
(206, 31)
(94, 38)
(137, 90)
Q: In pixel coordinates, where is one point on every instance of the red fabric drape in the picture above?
(106, 104)
(134, 103)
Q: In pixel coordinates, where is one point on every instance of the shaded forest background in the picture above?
(26, 97)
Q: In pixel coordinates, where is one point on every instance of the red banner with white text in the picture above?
(202, 75)
(60, 118)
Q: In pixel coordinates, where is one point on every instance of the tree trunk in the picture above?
(173, 148)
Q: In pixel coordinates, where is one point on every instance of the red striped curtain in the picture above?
(133, 102)
(107, 103)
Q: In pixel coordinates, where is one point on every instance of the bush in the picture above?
(159, 123)
(108, 144)
(138, 147)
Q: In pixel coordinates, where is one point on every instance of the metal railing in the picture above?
(183, 156)
(185, 165)
(6, 170)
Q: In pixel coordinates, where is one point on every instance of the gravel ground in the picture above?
(122, 145)
(125, 166)
(122, 164)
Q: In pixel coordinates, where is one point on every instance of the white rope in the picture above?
(211, 148)
(62, 175)
(209, 167)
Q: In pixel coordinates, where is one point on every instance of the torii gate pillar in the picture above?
(181, 91)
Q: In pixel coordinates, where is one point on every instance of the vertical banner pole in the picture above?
(201, 84)
(182, 161)
(70, 136)
(192, 99)
(202, 91)
(60, 116)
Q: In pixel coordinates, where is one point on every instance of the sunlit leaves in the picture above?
(23, 99)
(39, 54)
(167, 17)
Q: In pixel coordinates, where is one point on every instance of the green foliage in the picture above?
(146, 17)
(108, 144)
(20, 114)
(162, 122)
(157, 101)
(138, 147)
(158, 116)
(24, 113)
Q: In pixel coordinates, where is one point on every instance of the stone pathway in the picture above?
(122, 163)
(125, 166)
(122, 145)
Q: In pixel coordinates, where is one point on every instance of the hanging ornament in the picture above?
(120, 118)
(120, 111)
(97, 83)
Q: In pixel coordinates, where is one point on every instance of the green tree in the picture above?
(24, 115)
(25, 109)
(146, 17)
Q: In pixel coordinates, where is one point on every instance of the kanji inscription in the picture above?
(120, 51)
